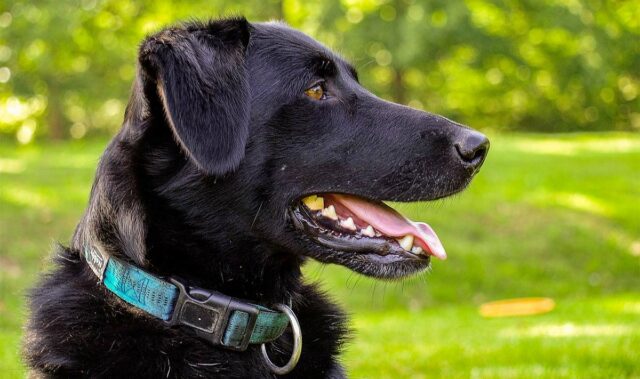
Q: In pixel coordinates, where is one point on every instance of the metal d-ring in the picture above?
(297, 344)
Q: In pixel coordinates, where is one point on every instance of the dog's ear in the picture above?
(198, 75)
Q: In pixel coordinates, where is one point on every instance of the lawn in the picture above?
(549, 215)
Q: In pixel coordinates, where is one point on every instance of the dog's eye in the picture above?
(316, 92)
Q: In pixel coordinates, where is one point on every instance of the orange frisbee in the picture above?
(524, 306)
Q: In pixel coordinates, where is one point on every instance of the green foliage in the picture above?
(66, 66)
(547, 216)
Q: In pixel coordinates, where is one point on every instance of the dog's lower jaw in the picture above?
(366, 264)
(387, 267)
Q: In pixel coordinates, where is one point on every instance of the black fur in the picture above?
(201, 71)
(219, 141)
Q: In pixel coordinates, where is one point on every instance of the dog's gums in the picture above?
(354, 224)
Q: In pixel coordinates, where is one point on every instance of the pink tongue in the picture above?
(391, 223)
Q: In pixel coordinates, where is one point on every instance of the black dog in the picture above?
(245, 149)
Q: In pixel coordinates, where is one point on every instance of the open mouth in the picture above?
(355, 224)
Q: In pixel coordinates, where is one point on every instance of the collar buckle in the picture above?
(209, 313)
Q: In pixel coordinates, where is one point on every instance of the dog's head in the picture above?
(259, 133)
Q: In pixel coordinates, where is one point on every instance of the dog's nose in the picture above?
(473, 148)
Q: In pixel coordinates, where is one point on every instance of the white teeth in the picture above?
(406, 242)
(348, 224)
(330, 212)
(368, 231)
(417, 250)
(378, 234)
(314, 202)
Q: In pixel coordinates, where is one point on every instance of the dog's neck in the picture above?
(240, 268)
(133, 213)
(253, 272)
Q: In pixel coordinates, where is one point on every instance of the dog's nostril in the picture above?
(478, 155)
(473, 149)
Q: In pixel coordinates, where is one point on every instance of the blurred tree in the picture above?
(66, 66)
(69, 64)
(535, 65)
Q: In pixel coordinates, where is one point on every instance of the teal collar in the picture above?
(217, 318)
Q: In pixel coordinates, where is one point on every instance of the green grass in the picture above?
(555, 216)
